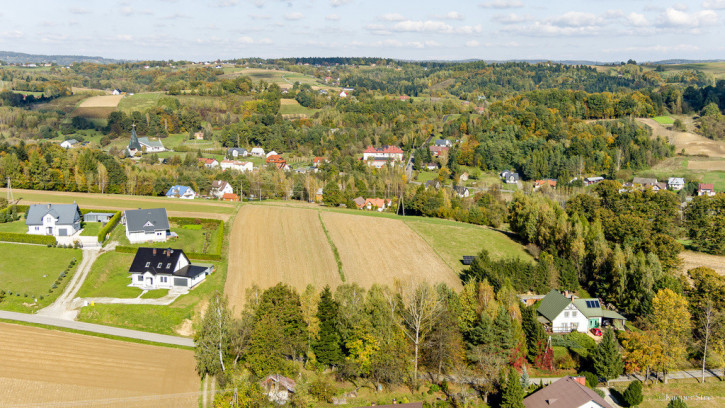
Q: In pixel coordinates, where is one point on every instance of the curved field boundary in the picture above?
(692, 143)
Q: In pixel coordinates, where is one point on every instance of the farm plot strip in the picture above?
(269, 245)
(53, 368)
(382, 250)
(97, 328)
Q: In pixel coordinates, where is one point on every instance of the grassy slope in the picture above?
(712, 393)
(453, 239)
(678, 167)
(664, 120)
(139, 102)
(91, 229)
(32, 270)
(18, 227)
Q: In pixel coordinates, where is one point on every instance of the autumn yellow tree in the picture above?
(643, 351)
(671, 321)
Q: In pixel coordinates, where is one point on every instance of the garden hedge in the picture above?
(27, 238)
(109, 226)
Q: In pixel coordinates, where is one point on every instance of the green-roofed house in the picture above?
(562, 314)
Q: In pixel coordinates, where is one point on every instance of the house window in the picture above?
(573, 313)
(148, 264)
(168, 265)
(566, 314)
(37, 228)
(163, 279)
(160, 265)
(139, 278)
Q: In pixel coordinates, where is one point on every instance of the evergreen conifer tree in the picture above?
(633, 394)
(606, 358)
(327, 348)
(513, 394)
(676, 402)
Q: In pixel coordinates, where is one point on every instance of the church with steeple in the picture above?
(143, 144)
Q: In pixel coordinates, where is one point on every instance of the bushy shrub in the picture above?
(633, 394)
(592, 379)
(321, 390)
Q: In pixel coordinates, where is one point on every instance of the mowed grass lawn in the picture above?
(139, 102)
(17, 227)
(32, 270)
(453, 239)
(192, 238)
(711, 394)
(109, 277)
(91, 229)
(158, 319)
(664, 120)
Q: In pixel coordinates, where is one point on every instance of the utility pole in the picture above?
(241, 191)
(9, 194)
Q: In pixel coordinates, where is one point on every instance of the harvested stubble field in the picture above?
(692, 143)
(691, 259)
(54, 368)
(274, 243)
(269, 245)
(383, 250)
(98, 107)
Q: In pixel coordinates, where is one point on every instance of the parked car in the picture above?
(597, 331)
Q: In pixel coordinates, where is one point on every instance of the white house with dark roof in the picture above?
(58, 220)
(68, 144)
(166, 268)
(563, 314)
(676, 183)
(147, 225)
(219, 188)
(151, 146)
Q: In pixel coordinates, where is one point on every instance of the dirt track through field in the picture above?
(382, 250)
(270, 244)
(692, 143)
(54, 368)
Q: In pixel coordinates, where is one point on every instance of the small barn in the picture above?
(97, 217)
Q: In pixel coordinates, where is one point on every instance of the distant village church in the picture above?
(144, 144)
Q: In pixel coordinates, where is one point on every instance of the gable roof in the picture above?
(552, 304)
(564, 393)
(384, 149)
(676, 180)
(71, 141)
(147, 220)
(288, 383)
(65, 213)
(168, 258)
(219, 185)
(644, 181)
(237, 149)
(460, 189)
(150, 143)
(703, 186)
(359, 202)
(178, 191)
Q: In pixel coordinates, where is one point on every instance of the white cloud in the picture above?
(332, 17)
(296, 15)
(246, 40)
(79, 10)
(378, 29)
(676, 18)
(544, 28)
(454, 15)
(637, 20)
(226, 3)
(680, 6)
(130, 11)
(511, 18)
(502, 4)
(260, 16)
(431, 26)
(472, 44)
(655, 48)
(392, 17)
(124, 37)
(575, 19)
(14, 35)
(337, 3)
(713, 4)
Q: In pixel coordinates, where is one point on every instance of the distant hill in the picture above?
(21, 58)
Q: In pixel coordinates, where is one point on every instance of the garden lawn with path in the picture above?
(109, 277)
(28, 276)
(91, 229)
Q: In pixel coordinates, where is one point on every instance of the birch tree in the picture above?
(420, 308)
(213, 337)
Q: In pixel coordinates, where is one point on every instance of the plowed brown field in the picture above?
(40, 367)
(691, 259)
(383, 250)
(270, 244)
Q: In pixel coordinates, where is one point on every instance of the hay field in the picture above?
(269, 245)
(692, 143)
(98, 107)
(691, 259)
(54, 368)
(383, 250)
(708, 165)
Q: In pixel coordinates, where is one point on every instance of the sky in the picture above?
(197, 30)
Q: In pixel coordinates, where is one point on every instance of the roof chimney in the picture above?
(581, 380)
(154, 251)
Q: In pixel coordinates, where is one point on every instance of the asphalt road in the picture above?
(97, 328)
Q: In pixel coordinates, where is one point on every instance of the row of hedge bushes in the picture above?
(190, 255)
(27, 238)
(109, 226)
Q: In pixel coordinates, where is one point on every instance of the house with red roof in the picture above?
(385, 152)
(404, 98)
(230, 197)
(438, 150)
(317, 161)
(208, 163)
(706, 189)
(545, 182)
(377, 203)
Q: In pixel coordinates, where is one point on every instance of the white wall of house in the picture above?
(50, 227)
(220, 192)
(137, 237)
(149, 281)
(153, 149)
(570, 319)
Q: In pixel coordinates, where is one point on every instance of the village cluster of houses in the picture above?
(380, 156)
(152, 268)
